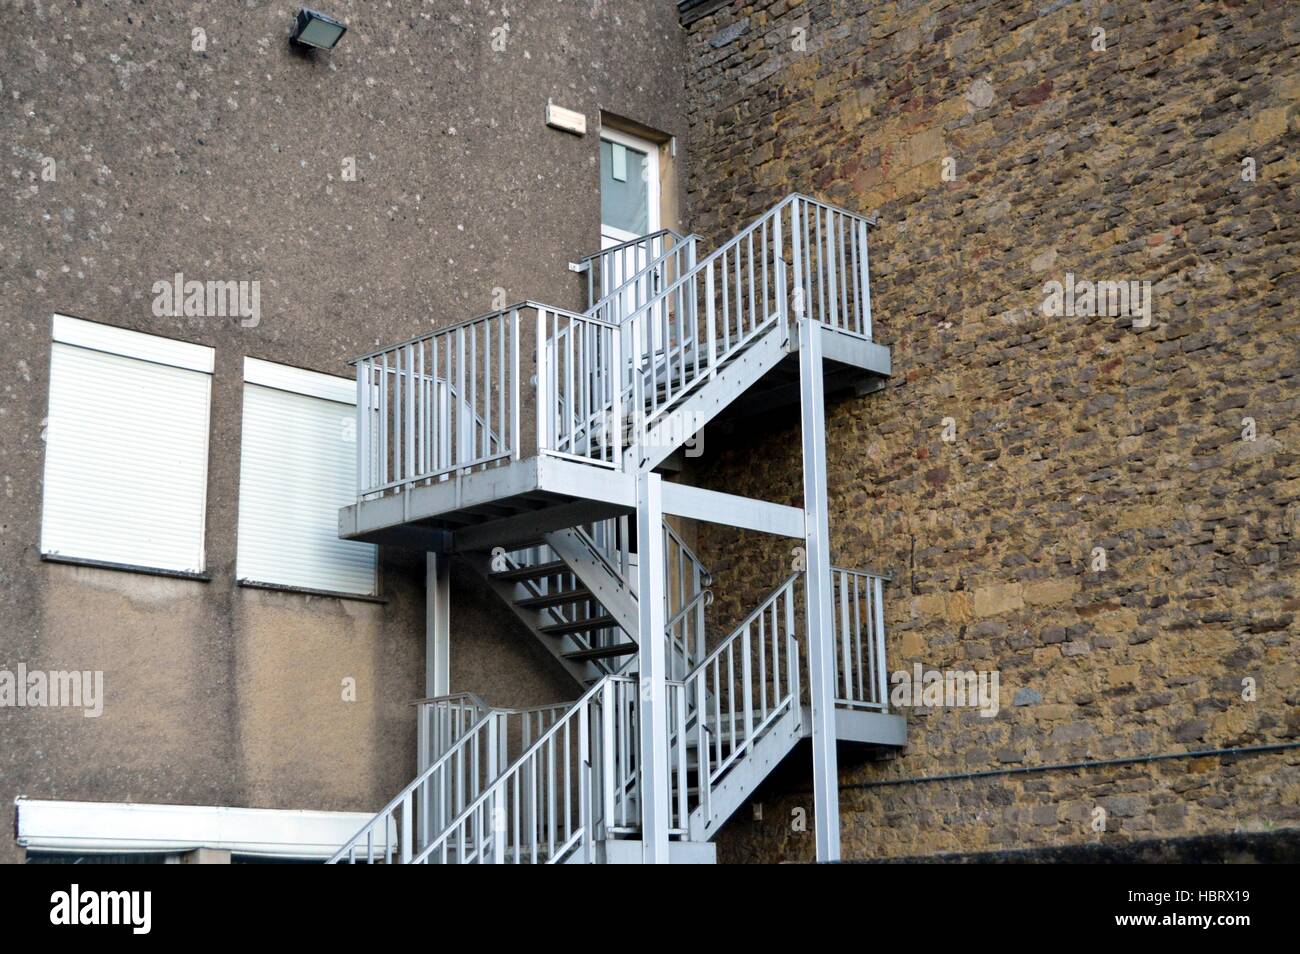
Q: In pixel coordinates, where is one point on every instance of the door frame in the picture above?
(608, 234)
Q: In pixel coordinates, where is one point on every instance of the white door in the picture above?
(629, 209)
(629, 188)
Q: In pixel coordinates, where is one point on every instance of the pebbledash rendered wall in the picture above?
(190, 137)
(1005, 146)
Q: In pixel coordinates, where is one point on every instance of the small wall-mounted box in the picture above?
(568, 120)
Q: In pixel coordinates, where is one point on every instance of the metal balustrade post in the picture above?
(607, 770)
(702, 769)
(422, 761)
(865, 279)
(543, 385)
(363, 428)
(516, 389)
(820, 597)
(830, 268)
(585, 820)
(406, 836)
(796, 260)
(711, 318)
(882, 674)
(616, 394)
(650, 636)
(778, 257)
(498, 814)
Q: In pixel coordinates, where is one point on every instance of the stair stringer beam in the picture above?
(745, 776)
(597, 575)
(534, 620)
(711, 398)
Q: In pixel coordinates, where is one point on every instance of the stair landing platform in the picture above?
(512, 503)
(864, 726)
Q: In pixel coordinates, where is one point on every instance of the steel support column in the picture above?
(821, 659)
(437, 624)
(653, 702)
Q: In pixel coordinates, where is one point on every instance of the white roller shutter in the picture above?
(297, 468)
(126, 448)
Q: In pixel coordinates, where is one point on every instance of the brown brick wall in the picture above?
(1072, 433)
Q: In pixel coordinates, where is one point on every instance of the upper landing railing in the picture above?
(801, 258)
(533, 379)
(526, 380)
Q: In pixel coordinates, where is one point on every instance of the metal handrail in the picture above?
(754, 700)
(522, 305)
(858, 639)
(748, 620)
(403, 801)
(802, 257)
(644, 280)
(744, 233)
(451, 697)
(630, 242)
(474, 841)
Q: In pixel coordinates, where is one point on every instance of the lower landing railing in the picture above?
(577, 784)
(393, 835)
(861, 677)
(464, 744)
(578, 781)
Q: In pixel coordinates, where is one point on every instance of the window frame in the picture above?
(300, 382)
(92, 336)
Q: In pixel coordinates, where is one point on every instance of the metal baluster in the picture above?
(832, 316)
(842, 276)
(753, 314)
(846, 665)
(878, 587)
(865, 281)
(726, 301)
(731, 698)
(747, 686)
(717, 709)
(702, 772)
(858, 596)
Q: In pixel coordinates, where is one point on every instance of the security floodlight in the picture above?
(318, 30)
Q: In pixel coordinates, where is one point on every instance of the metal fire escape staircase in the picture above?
(531, 444)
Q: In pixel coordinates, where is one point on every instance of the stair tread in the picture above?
(555, 599)
(602, 652)
(579, 626)
(532, 572)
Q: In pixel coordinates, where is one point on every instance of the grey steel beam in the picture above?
(528, 527)
(820, 605)
(712, 506)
